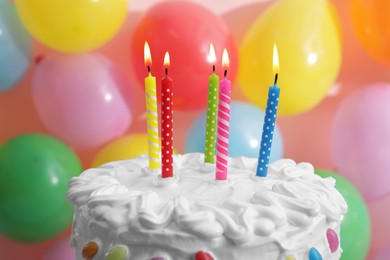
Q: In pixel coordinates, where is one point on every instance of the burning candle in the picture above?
(166, 122)
(269, 121)
(223, 121)
(151, 113)
(212, 110)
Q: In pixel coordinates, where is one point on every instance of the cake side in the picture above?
(286, 213)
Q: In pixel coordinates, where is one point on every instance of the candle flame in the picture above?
(166, 60)
(276, 60)
(225, 59)
(212, 57)
(147, 55)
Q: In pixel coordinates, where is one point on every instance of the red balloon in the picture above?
(186, 31)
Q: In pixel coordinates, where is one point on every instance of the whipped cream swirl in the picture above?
(128, 197)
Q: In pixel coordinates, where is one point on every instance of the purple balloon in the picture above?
(361, 140)
(61, 251)
(383, 255)
(78, 98)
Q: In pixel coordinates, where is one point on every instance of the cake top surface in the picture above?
(127, 195)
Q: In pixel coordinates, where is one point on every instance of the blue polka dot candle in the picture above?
(269, 121)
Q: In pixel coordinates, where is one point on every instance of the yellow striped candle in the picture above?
(151, 113)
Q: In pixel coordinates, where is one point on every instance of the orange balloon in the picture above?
(372, 25)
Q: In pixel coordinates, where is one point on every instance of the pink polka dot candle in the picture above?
(166, 122)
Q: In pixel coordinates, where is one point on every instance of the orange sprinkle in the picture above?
(90, 250)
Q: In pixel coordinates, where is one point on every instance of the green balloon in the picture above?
(355, 227)
(34, 173)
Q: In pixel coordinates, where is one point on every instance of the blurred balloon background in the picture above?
(334, 77)
(15, 47)
(85, 109)
(360, 136)
(72, 26)
(186, 30)
(245, 122)
(309, 51)
(33, 166)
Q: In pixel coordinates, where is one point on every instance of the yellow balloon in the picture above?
(127, 147)
(72, 25)
(307, 36)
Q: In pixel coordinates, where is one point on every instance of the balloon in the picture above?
(379, 214)
(78, 99)
(129, 146)
(15, 47)
(34, 173)
(383, 255)
(186, 30)
(355, 227)
(371, 25)
(246, 123)
(353, 75)
(72, 26)
(314, 126)
(360, 140)
(61, 251)
(307, 38)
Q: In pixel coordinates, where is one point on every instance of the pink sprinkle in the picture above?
(203, 256)
(333, 240)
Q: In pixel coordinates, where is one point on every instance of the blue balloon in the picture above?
(246, 126)
(15, 46)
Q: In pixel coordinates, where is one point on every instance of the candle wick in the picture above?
(166, 71)
(225, 73)
(276, 79)
(213, 68)
(148, 69)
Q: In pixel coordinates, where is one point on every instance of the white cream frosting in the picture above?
(285, 213)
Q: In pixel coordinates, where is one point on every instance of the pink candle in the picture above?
(223, 122)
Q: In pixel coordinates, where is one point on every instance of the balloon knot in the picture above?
(39, 58)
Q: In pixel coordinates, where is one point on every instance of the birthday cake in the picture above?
(123, 210)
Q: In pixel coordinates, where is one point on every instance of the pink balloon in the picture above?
(61, 251)
(78, 98)
(384, 254)
(360, 140)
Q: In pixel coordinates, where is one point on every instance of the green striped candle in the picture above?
(212, 110)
